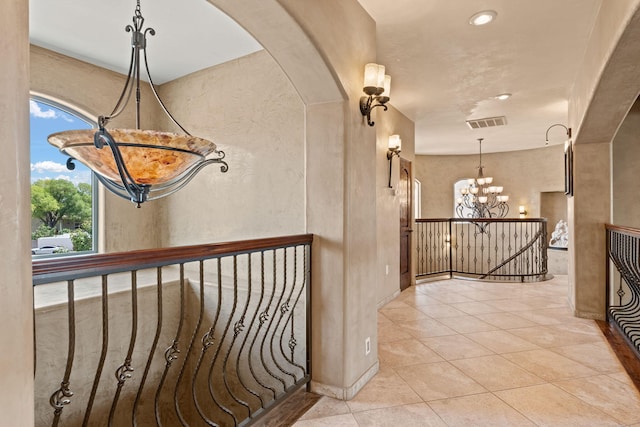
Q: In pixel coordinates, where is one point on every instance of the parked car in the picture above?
(46, 250)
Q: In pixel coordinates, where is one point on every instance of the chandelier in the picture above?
(139, 165)
(481, 199)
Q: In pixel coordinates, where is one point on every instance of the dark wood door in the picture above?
(406, 205)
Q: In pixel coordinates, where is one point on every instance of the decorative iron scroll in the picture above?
(493, 249)
(623, 286)
(202, 335)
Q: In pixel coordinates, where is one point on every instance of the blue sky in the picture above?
(46, 160)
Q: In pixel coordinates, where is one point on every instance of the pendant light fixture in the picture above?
(481, 199)
(135, 164)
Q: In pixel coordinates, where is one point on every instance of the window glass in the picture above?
(63, 201)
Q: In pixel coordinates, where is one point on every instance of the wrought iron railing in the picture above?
(623, 282)
(492, 249)
(202, 335)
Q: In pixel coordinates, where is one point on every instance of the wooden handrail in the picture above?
(64, 268)
(629, 231)
(481, 219)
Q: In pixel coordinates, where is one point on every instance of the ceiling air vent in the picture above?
(487, 122)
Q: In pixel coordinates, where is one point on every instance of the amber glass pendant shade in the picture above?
(151, 157)
(139, 165)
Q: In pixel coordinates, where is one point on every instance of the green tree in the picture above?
(42, 231)
(53, 200)
(81, 240)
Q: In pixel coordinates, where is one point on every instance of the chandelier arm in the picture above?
(384, 106)
(126, 90)
(166, 189)
(155, 92)
(120, 190)
(138, 192)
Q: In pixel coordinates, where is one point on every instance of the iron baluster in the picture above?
(103, 351)
(152, 350)
(238, 326)
(210, 378)
(62, 397)
(246, 335)
(171, 353)
(191, 342)
(124, 372)
(208, 339)
(269, 320)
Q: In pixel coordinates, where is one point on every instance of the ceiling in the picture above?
(444, 70)
(190, 34)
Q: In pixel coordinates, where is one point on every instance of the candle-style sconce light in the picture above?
(395, 144)
(522, 211)
(377, 86)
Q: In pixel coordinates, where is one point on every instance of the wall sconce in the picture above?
(568, 130)
(377, 86)
(395, 144)
(523, 212)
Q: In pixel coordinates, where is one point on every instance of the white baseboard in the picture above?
(388, 299)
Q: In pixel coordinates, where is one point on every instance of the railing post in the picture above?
(450, 248)
(607, 272)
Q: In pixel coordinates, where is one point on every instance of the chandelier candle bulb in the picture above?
(395, 143)
(387, 85)
(371, 79)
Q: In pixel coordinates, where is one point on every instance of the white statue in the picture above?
(560, 236)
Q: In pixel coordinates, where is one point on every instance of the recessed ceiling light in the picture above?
(484, 17)
(503, 96)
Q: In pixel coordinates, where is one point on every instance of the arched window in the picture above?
(63, 202)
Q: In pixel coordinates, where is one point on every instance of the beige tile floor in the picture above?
(464, 353)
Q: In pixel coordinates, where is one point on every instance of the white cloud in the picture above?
(48, 166)
(36, 111)
(79, 177)
(65, 177)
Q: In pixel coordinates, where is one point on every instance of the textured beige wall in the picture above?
(553, 206)
(606, 87)
(523, 174)
(94, 91)
(345, 36)
(251, 111)
(588, 210)
(388, 205)
(608, 80)
(16, 334)
(626, 158)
